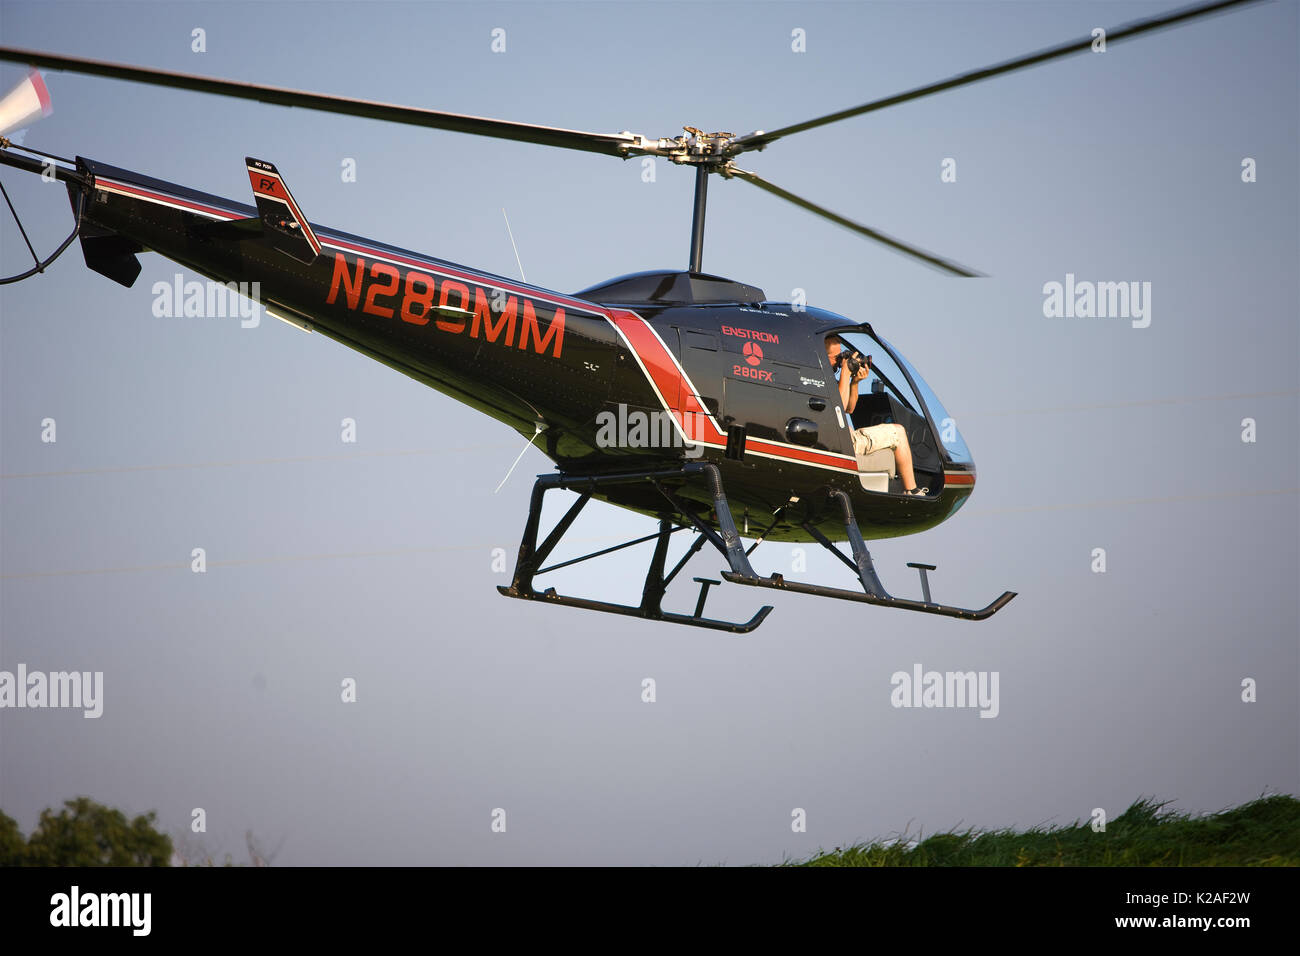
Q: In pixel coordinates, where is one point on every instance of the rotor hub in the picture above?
(695, 148)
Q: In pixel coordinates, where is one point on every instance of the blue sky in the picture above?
(374, 560)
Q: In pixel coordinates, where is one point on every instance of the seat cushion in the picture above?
(882, 460)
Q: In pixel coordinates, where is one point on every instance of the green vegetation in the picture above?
(1264, 832)
(85, 833)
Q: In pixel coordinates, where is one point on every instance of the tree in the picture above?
(86, 833)
(13, 848)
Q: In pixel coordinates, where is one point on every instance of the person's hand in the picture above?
(861, 373)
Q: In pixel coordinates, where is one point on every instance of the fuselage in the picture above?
(658, 366)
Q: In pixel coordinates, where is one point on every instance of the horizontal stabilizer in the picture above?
(112, 256)
(285, 227)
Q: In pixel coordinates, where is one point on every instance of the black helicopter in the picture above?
(681, 395)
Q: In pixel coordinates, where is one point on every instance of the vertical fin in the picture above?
(285, 225)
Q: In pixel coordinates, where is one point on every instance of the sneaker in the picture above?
(917, 492)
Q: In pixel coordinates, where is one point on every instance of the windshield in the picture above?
(953, 443)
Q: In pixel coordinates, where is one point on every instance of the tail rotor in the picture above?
(26, 103)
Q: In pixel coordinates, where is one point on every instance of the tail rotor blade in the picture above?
(24, 104)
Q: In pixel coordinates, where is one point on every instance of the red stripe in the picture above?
(801, 454)
(958, 478)
(667, 377)
(144, 193)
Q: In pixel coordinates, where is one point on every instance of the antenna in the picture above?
(512, 244)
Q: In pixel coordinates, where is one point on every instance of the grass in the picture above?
(1264, 832)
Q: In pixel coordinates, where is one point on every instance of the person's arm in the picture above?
(852, 402)
(848, 394)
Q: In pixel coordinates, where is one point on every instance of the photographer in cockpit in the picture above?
(853, 367)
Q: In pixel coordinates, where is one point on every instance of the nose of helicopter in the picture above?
(961, 480)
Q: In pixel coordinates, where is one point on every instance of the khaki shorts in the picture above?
(876, 438)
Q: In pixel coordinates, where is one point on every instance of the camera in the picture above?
(850, 362)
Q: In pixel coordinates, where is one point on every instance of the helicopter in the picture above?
(684, 396)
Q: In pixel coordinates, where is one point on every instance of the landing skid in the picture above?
(726, 539)
(873, 592)
(532, 554)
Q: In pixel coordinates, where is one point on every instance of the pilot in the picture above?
(874, 437)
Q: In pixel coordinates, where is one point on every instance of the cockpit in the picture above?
(893, 392)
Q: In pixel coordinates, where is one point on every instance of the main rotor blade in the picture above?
(761, 139)
(611, 144)
(898, 245)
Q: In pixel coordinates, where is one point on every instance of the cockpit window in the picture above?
(883, 369)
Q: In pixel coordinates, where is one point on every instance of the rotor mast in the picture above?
(697, 219)
(708, 153)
